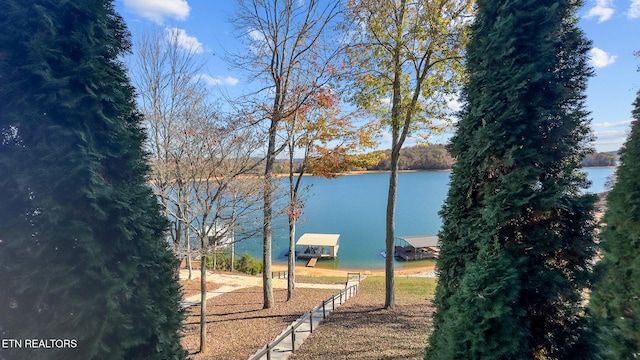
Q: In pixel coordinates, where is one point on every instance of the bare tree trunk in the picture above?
(233, 233)
(189, 265)
(267, 280)
(215, 257)
(203, 304)
(291, 263)
(396, 145)
(390, 235)
(176, 235)
(233, 254)
(188, 247)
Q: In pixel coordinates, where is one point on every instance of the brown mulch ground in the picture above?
(237, 326)
(192, 287)
(361, 329)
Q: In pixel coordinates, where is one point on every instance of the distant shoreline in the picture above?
(363, 172)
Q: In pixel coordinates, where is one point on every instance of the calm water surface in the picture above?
(354, 206)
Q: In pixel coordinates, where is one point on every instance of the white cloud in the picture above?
(157, 10)
(634, 9)
(454, 103)
(612, 134)
(600, 58)
(603, 10)
(616, 137)
(256, 35)
(258, 42)
(180, 37)
(209, 80)
(610, 125)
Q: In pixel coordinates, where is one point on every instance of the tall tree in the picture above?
(287, 50)
(614, 299)
(217, 155)
(198, 154)
(163, 72)
(83, 254)
(518, 233)
(408, 52)
(323, 138)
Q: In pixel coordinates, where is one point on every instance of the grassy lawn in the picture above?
(361, 329)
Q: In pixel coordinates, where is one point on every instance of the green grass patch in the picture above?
(363, 329)
(409, 289)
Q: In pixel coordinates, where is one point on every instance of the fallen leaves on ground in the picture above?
(192, 287)
(237, 326)
(362, 329)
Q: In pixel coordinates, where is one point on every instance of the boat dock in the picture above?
(312, 262)
(323, 246)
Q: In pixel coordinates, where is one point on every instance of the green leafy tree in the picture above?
(324, 138)
(83, 254)
(518, 233)
(409, 53)
(615, 298)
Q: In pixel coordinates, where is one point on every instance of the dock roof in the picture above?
(319, 240)
(421, 241)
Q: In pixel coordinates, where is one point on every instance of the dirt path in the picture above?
(229, 282)
(248, 280)
(233, 282)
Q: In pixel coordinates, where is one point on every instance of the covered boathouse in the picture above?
(417, 247)
(318, 246)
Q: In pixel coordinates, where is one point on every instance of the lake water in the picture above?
(354, 206)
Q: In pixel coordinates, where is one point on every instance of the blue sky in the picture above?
(612, 25)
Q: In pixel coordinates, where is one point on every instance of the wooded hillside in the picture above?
(431, 157)
(436, 157)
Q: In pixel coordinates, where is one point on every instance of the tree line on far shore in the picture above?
(420, 157)
(432, 157)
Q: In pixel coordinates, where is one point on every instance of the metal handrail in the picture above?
(347, 293)
(353, 273)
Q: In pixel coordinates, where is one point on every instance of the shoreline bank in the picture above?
(316, 271)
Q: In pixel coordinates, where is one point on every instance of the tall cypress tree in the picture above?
(83, 261)
(517, 233)
(615, 300)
